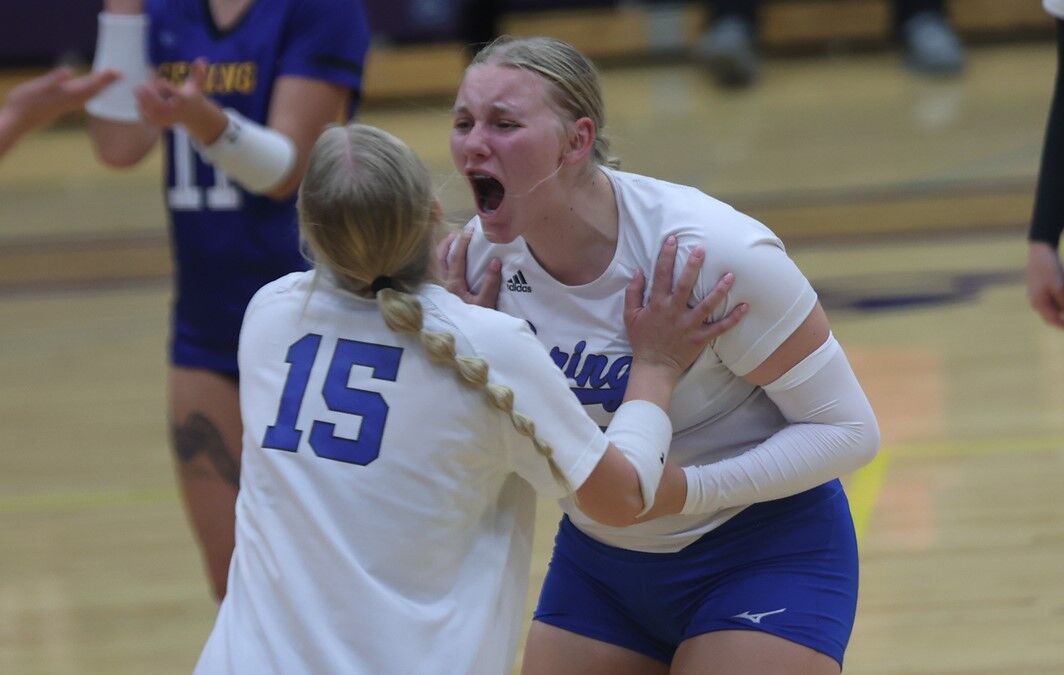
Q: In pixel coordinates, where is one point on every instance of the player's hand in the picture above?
(43, 99)
(452, 266)
(165, 104)
(1045, 283)
(666, 331)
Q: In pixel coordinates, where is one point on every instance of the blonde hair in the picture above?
(367, 214)
(574, 81)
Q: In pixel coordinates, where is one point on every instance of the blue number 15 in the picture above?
(370, 405)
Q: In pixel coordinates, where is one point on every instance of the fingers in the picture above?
(456, 273)
(57, 76)
(709, 303)
(85, 87)
(633, 294)
(490, 284)
(662, 286)
(443, 250)
(685, 285)
(198, 75)
(153, 106)
(1049, 309)
(713, 330)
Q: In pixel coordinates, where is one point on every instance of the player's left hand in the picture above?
(666, 331)
(452, 267)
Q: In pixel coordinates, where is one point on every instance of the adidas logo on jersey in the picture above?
(518, 284)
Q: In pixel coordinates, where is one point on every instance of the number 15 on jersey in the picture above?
(383, 360)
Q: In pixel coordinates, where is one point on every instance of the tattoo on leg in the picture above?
(198, 435)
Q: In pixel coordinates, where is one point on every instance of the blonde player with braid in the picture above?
(394, 438)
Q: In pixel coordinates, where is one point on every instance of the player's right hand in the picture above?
(451, 258)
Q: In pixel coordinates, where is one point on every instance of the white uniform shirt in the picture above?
(388, 528)
(1054, 7)
(715, 413)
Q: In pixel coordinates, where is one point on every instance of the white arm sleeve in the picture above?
(258, 157)
(832, 431)
(121, 45)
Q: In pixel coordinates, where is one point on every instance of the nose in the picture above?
(476, 142)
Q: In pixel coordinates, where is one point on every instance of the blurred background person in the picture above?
(728, 46)
(238, 91)
(1045, 276)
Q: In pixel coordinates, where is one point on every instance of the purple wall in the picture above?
(41, 31)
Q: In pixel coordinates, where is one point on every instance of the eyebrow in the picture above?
(497, 107)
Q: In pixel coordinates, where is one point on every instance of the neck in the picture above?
(576, 240)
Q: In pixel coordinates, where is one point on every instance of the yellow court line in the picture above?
(73, 501)
(863, 488)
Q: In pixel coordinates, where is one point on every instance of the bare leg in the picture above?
(553, 651)
(741, 651)
(206, 429)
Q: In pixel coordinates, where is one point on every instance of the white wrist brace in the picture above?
(121, 44)
(832, 431)
(642, 432)
(257, 157)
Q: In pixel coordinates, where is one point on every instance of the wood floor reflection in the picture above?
(903, 199)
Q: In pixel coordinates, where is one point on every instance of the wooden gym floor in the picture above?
(904, 200)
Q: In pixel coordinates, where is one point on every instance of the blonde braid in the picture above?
(403, 314)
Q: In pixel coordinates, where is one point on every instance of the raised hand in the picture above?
(165, 104)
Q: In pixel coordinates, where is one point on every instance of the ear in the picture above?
(580, 142)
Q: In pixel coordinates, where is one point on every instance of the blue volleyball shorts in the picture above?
(786, 567)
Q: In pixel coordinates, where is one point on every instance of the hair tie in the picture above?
(380, 282)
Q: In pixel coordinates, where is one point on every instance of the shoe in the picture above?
(931, 45)
(726, 49)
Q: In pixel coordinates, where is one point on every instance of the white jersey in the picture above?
(384, 521)
(1054, 7)
(715, 413)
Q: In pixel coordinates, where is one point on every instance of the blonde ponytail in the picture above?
(402, 313)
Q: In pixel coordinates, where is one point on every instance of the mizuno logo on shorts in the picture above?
(756, 617)
(518, 284)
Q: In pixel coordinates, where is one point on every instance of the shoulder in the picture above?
(479, 325)
(281, 287)
(652, 209)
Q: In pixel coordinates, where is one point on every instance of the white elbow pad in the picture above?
(257, 157)
(121, 44)
(642, 432)
(832, 431)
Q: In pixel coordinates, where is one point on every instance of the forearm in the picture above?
(832, 431)
(121, 144)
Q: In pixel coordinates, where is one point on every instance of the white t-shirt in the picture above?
(384, 521)
(1054, 7)
(715, 413)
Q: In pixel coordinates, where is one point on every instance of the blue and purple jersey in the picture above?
(228, 242)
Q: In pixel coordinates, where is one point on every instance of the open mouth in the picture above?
(488, 192)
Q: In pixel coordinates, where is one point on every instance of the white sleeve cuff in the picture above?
(642, 432)
(121, 44)
(256, 156)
